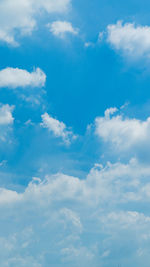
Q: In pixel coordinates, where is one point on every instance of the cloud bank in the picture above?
(51, 221)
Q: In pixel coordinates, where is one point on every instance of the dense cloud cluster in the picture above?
(53, 218)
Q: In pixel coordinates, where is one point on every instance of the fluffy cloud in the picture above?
(50, 220)
(60, 28)
(21, 16)
(14, 77)
(59, 129)
(124, 134)
(130, 39)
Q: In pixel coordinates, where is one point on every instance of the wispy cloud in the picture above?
(58, 128)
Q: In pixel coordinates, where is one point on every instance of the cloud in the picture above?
(21, 16)
(113, 184)
(6, 122)
(14, 77)
(73, 218)
(132, 40)
(50, 6)
(6, 117)
(126, 219)
(59, 129)
(8, 196)
(50, 220)
(61, 28)
(125, 134)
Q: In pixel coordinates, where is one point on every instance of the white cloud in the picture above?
(123, 133)
(110, 111)
(51, 6)
(8, 196)
(59, 129)
(6, 116)
(6, 122)
(21, 16)
(132, 40)
(61, 28)
(14, 77)
(50, 220)
(116, 183)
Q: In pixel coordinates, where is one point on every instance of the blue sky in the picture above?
(74, 133)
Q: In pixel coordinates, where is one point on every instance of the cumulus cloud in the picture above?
(53, 222)
(61, 28)
(130, 39)
(21, 16)
(125, 134)
(59, 129)
(14, 77)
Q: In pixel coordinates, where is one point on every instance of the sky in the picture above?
(74, 133)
